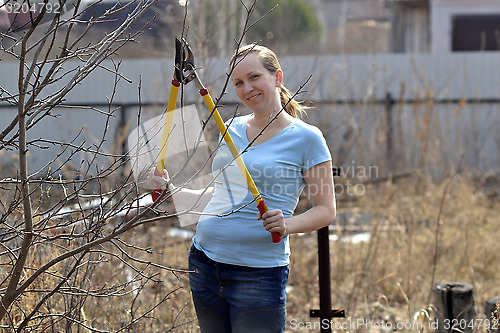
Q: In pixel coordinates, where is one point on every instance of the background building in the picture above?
(442, 26)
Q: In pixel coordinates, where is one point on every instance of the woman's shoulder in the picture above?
(306, 128)
(314, 146)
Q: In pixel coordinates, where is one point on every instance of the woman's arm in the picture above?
(184, 198)
(319, 180)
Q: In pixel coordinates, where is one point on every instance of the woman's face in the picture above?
(255, 86)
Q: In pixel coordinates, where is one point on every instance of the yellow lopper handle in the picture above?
(167, 129)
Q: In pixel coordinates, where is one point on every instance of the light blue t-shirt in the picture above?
(228, 231)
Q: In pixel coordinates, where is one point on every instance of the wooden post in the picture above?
(492, 312)
(454, 307)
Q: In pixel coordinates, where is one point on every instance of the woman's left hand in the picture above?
(273, 221)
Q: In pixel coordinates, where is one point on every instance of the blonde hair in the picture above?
(271, 63)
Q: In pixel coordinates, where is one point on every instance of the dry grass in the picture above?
(388, 278)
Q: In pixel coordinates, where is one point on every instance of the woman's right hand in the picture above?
(157, 180)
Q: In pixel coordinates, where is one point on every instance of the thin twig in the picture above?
(438, 227)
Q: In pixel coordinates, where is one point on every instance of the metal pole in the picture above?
(325, 312)
(325, 299)
(389, 103)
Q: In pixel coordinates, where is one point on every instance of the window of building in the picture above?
(476, 33)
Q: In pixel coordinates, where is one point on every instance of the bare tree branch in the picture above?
(59, 226)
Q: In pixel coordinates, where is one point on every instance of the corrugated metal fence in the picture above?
(392, 113)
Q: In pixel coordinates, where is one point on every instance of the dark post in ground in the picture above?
(454, 303)
(325, 312)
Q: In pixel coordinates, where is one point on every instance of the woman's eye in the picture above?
(256, 76)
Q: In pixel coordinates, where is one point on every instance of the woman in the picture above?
(239, 275)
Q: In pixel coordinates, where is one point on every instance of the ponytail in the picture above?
(290, 105)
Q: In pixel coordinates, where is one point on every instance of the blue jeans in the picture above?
(237, 299)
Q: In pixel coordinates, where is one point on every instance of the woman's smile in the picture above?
(251, 98)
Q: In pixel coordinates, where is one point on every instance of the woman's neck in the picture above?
(260, 120)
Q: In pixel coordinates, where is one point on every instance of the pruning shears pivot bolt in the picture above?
(185, 69)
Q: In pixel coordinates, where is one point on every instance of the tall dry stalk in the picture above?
(439, 222)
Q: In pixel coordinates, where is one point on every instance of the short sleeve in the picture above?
(315, 149)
